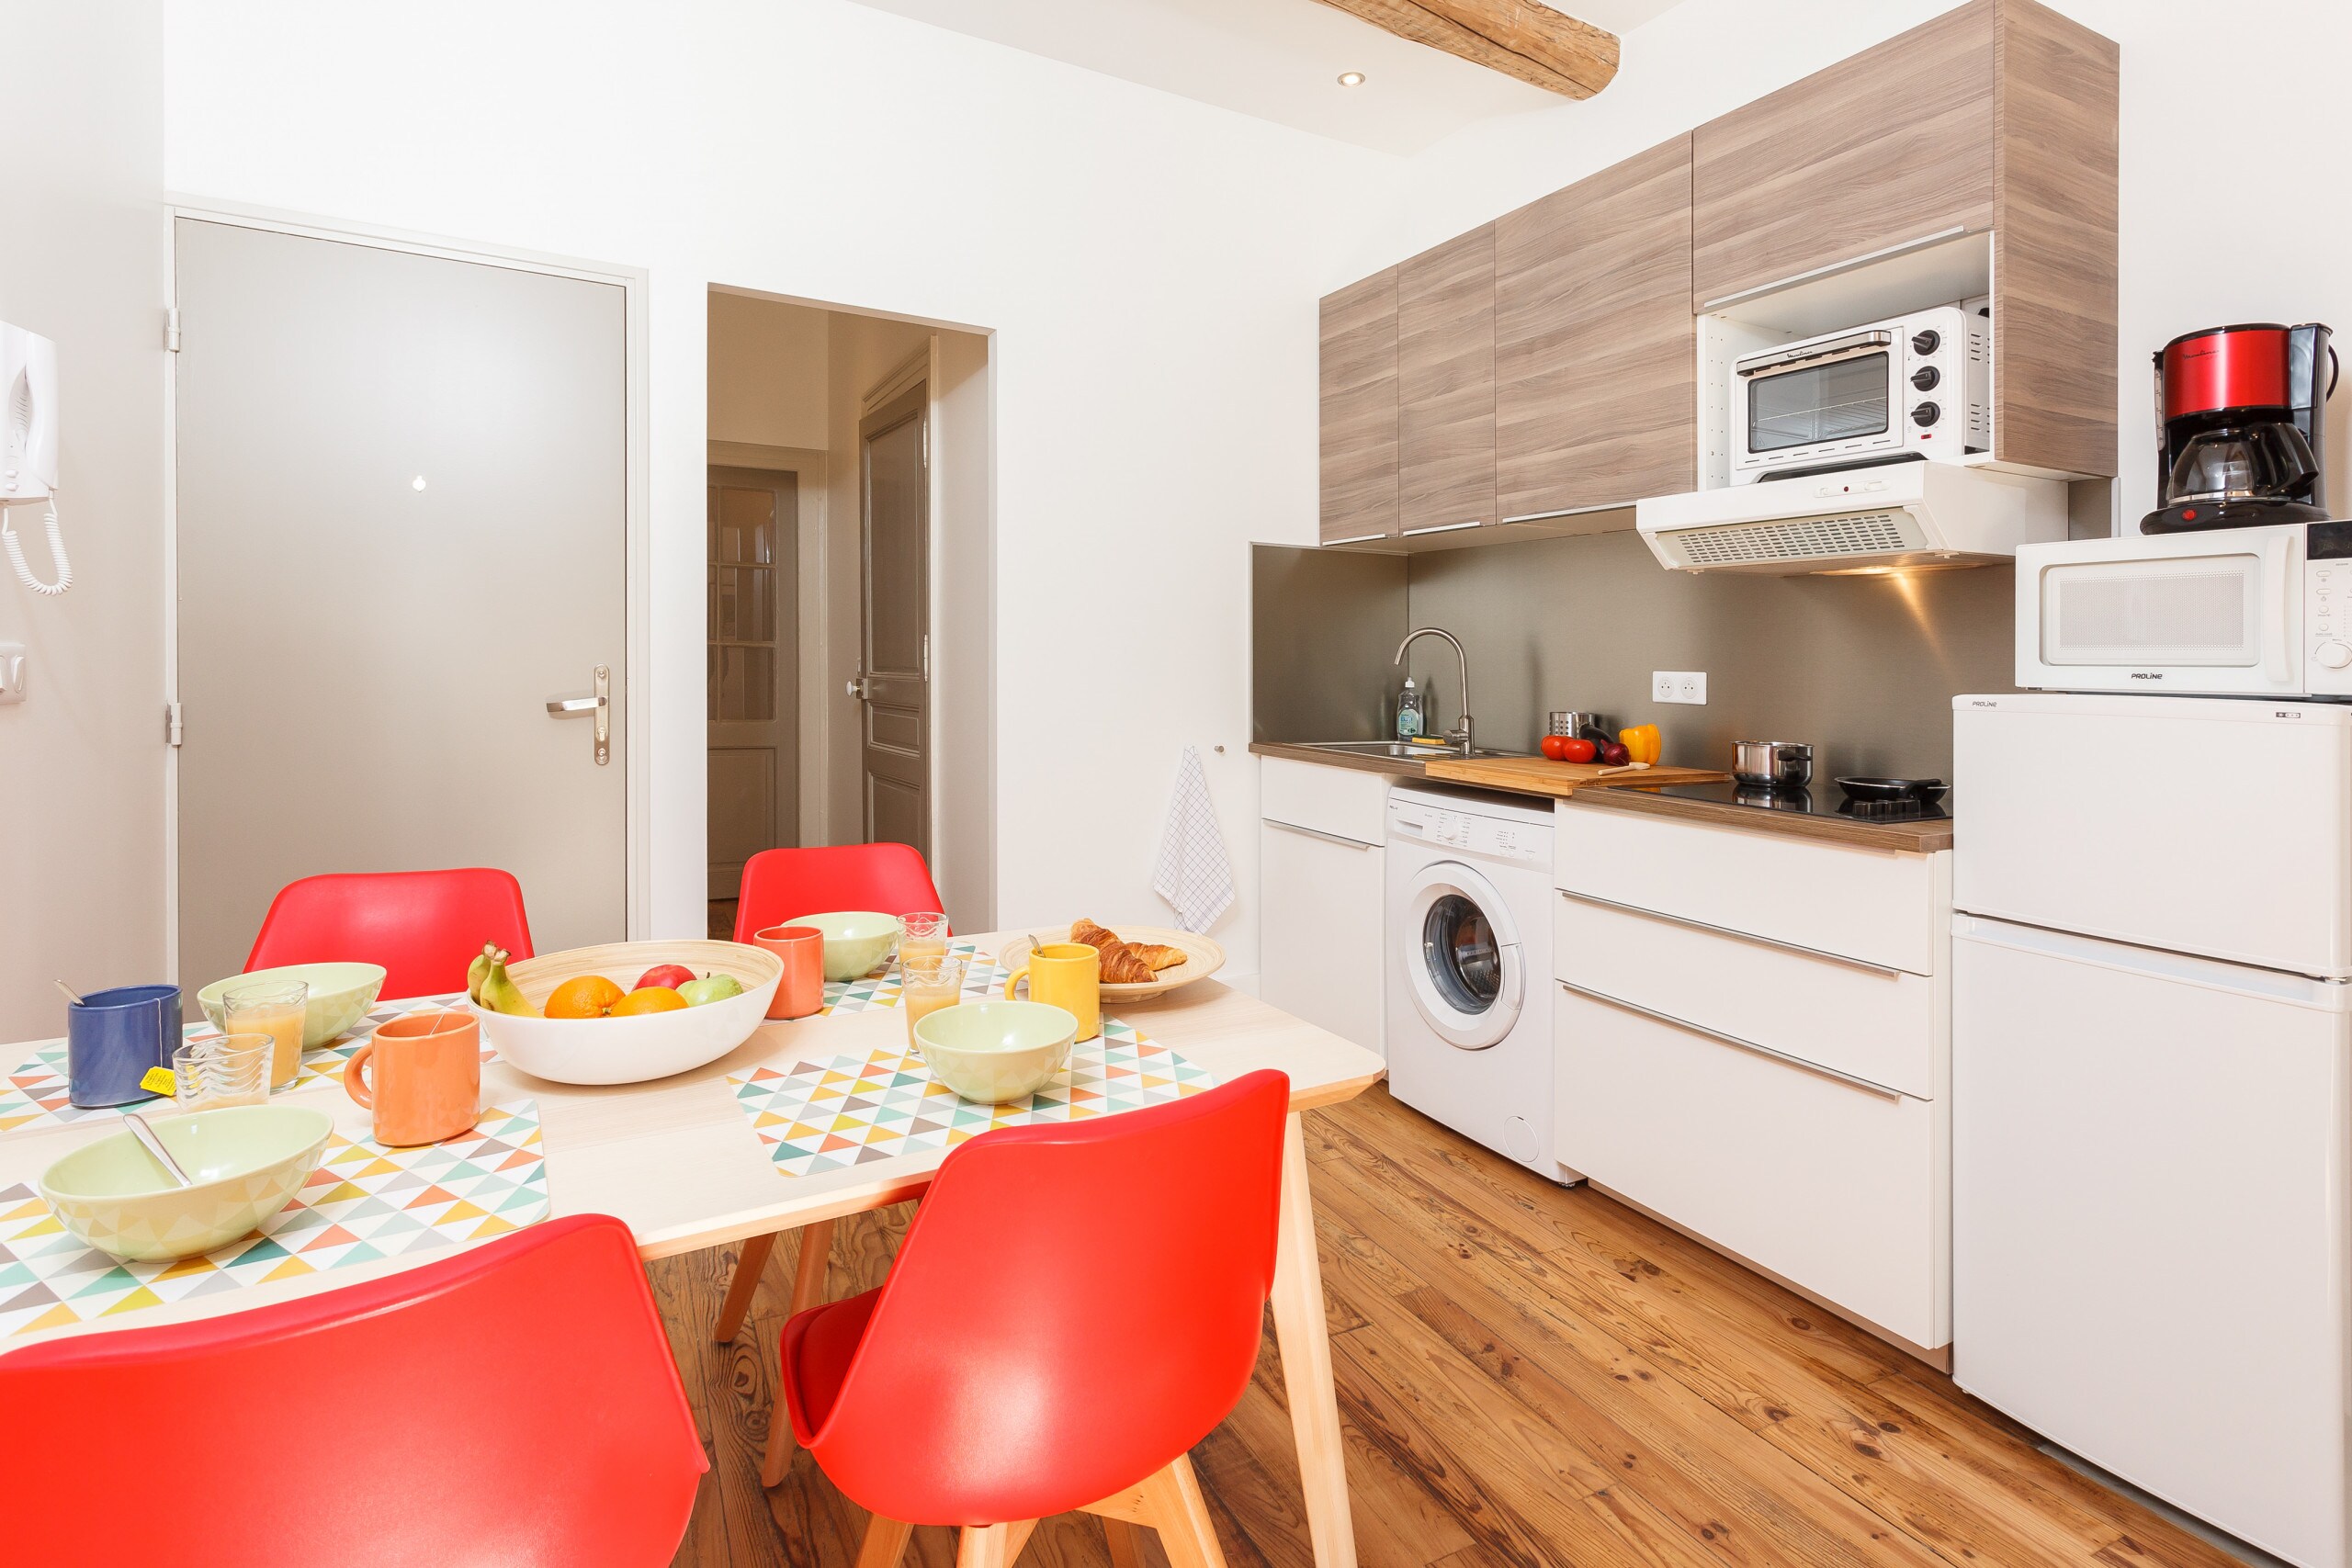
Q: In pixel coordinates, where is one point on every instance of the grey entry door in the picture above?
(402, 518)
(893, 682)
(753, 678)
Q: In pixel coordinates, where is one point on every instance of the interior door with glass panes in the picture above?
(754, 784)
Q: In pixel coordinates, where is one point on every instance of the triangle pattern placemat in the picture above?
(844, 1111)
(363, 1202)
(879, 986)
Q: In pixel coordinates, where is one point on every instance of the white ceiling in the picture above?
(1278, 60)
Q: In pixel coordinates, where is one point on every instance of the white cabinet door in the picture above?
(1319, 929)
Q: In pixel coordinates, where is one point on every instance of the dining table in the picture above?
(679, 1162)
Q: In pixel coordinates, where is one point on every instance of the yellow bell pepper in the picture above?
(1641, 743)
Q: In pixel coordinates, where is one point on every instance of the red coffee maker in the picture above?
(2239, 433)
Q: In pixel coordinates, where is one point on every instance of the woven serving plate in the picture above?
(1204, 958)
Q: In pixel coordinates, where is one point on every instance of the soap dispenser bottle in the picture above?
(1409, 712)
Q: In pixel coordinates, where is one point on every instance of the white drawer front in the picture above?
(1845, 1192)
(1348, 802)
(1881, 1024)
(1874, 904)
(1319, 950)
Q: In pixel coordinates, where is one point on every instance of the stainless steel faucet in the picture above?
(1459, 734)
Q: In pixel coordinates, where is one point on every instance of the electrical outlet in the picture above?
(11, 672)
(1678, 686)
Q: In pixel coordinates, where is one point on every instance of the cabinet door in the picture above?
(1889, 146)
(1319, 936)
(1446, 377)
(1358, 379)
(1596, 387)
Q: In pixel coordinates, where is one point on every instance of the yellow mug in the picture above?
(1067, 975)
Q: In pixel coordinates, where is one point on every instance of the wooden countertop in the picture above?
(1631, 794)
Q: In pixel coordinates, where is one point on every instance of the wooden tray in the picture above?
(1204, 958)
(1534, 776)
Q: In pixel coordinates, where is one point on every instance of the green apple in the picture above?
(710, 988)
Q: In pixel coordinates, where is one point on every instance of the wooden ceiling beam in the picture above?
(1522, 39)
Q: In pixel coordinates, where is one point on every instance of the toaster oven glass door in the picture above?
(1830, 400)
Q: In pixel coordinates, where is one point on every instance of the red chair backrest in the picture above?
(515, 1403)
(423, 927)
(779, 885)
(1073, 1307)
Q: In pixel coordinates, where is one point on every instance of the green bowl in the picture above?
(244, 1164)
(341, 995)
(996, 1050)
(856, 940)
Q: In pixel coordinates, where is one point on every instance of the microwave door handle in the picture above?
(2281, 552)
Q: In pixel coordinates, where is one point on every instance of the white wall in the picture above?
(2229, 209)
(82, 262)
(963, 629)
(766, 376)
(1149, 266)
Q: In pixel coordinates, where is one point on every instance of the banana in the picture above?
(502, 994)
(478, 970)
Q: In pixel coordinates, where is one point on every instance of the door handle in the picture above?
(856, 684)
(600, 705)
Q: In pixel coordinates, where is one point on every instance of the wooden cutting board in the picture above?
(1534, 775)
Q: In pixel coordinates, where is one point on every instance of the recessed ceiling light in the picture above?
(1350, 78)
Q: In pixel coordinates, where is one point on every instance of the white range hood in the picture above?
(1898, 515)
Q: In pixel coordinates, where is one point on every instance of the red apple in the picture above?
(671, 975)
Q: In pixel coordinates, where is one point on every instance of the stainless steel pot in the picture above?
(1772, 765)
(1576, 721)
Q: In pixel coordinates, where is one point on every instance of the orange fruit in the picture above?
(584, 995)
(653, 998)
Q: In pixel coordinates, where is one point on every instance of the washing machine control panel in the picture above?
(1496, 837)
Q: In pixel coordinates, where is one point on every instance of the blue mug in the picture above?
(114, 1037)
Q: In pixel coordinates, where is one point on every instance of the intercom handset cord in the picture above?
(9, 542)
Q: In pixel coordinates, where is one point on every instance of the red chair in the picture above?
(1073, 1308)
(781, 884)
(423, 927)
(778, 886)
(515, 1403)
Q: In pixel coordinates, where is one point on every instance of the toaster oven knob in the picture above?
(2332, 655)
(1926, 341)
(1926, 377)
(1926, 414)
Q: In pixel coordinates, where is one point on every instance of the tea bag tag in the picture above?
(159, 1080)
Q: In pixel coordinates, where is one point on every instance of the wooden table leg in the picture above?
(808, 1274)
(1303, 1336)
(808, 1291)
(742, 1287)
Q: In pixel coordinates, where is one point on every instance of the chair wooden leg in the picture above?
(808, 1274)
(1126, 1548)
(781, 1442)
(742, 1287)
(1302, 1333)
(991, 1546)
(1180, 1515)
(885, 1542)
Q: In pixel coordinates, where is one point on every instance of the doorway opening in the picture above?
(849, 593)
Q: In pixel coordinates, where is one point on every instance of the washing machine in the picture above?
(1468, 929)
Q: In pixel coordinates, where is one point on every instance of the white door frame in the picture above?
(637, 656)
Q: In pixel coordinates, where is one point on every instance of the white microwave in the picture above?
(2230, 612)
(1915, 386)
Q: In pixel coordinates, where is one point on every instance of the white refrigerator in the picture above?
(2151, 1029)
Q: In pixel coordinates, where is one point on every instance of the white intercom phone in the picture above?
(28, 447)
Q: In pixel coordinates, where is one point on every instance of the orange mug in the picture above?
(802, 950)
(427, 1083)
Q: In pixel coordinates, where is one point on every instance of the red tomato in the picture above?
(1557, 747)
(1576, 749)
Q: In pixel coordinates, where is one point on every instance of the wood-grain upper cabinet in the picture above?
(1359, 387)
(1446, 377)
(1596, 397)
(1885, 148)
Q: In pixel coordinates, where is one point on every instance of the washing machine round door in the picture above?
(1462, 952)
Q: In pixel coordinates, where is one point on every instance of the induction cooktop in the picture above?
(1824, 800)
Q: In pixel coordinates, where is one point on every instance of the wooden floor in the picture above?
(1529, 1376)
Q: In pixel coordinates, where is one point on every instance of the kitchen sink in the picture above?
(1400, 750)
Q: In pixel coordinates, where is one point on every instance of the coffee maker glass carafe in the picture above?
(2242, 462)
(2241, 442)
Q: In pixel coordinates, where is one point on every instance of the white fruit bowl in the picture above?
(640, 1048)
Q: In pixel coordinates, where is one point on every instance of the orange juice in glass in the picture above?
(922, 935)
(927, 984)
(273, 1007)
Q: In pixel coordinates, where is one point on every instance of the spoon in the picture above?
(146, 1136)
(71, 995)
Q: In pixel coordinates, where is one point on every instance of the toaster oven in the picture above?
(1913, 386)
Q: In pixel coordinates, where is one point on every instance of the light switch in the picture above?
(11, 672)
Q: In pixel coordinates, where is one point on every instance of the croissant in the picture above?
(1160, 955)
(1122, 966)
(1092, 935)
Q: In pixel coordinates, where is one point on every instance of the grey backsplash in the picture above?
(1865, 667)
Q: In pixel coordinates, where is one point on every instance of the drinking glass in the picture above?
(922, 935)
(273, 1007)
(232, 1070)
(926, 983)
